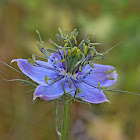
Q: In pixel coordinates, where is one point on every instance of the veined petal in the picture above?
(98, 74)
(91, 94)
(52, 91)
(37, 72)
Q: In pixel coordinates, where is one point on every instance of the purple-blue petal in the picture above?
(57, 57)
(98, 74)
(36, 73)
(90, 94)
(53, 91)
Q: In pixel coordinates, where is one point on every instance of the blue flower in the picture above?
(69, 68)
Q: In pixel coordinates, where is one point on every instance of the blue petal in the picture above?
(57, 57)
(91, 94)
(36, 73)
(98, 74)
(52, 91)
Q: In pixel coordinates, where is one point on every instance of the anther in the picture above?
(86, 62)
(46, 78)
(111, 78)
(62, 60)
(78, 53)
(31, 61)
(69, 53)
(52, 82)
(85, 50)
(66, 44)
(93, 52)
(91, 65)
(74, 39)
(80, 68)
(33, 57)
(109, 71)
(64, 51)
(78, 90)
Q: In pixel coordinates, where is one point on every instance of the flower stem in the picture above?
(64, 123)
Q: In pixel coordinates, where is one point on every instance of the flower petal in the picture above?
(37, 72)
(98, 74)
(91, 94)
(52, 91)
(56, 57)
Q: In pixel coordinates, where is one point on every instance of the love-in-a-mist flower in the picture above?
(70, 68)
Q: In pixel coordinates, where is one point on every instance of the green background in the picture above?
(109, 21)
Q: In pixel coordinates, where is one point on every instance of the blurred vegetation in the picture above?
(110, 22)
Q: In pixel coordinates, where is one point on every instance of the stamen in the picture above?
(98, 84)
(45, 79)
(61, 33)
(59, 39)
(31, 62)
(74, 39)
(85, 50)
(33, 57)
(51, 50)
(80, 61)
(81, 43)
(78, 53)
(62, 60)
(91, 65)
(111, 78)
(109, 71)
(95, 44)
(69, 53)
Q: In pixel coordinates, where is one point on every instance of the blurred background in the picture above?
(109, 21)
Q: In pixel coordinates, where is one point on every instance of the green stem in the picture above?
(64, 123)
(56, 119)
